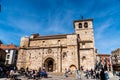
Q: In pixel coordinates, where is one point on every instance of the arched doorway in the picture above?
(49, 64)
(72, 67)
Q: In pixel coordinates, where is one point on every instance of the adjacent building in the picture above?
(11, 53)
(2, 57)
(104, 61)
(116, 59)
(57, 52)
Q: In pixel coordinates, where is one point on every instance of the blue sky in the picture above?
(47, 17)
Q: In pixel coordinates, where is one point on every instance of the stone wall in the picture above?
(63, 50)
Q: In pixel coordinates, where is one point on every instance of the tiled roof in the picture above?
(103, 54)
(50, 37)
(9, 46)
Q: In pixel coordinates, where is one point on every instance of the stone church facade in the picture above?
(57, 52)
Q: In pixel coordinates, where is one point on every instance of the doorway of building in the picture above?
(49, 64)
(72, 67)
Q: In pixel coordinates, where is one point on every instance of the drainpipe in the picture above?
(60, 58)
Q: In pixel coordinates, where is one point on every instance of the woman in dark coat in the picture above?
(102, 75)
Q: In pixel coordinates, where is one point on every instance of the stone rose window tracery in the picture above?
(49, 50)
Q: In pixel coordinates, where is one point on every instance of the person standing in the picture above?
(119, 75)
(106, 75)
(87, 74)
(1, 70)
(78, 74)
(66, 73)
(102, 74)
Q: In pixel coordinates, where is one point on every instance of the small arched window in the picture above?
(80, 25)
(86, 25)
(64, 54)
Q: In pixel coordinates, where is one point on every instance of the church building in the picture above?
(57, 52)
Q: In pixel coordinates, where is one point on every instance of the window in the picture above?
(80, 25)
(8, 56)
(64, 55)
(8, 51)
(84, 57)
(86, 25)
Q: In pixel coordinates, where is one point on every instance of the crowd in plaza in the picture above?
(34, 74)
(12, 72)
(101, 74)
(7, 71)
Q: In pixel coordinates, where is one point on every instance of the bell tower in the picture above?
(84, 29)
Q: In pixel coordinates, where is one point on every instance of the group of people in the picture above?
(7, 72)
(34, 74)
(69, 72)
(89, 74)
(95, 74)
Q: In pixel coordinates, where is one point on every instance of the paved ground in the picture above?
(60, 76)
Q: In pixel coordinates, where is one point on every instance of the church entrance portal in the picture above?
(49, 64)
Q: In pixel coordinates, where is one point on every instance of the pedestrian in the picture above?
(78, 74)
(11, 74)
(97, 75)
(66, 73)
(87, 74)
(91, 73)
(102, 74)
(119, 75)
(106, 75)
(1, 70)
(114, 73)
